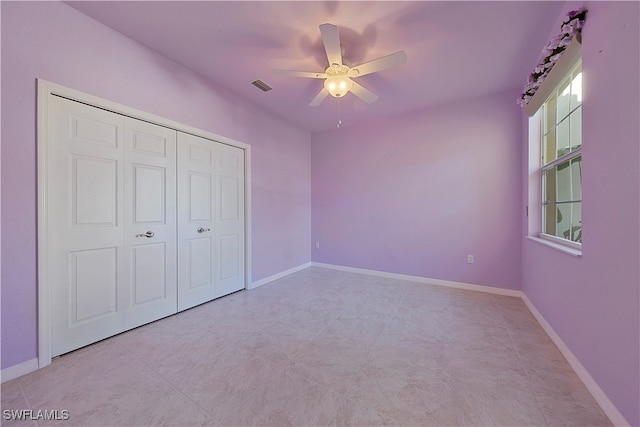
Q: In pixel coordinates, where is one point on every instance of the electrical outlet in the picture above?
(317, 245)
(469, 259)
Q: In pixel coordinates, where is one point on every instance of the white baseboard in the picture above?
(15, 371)
(420, 279)
(280, 275)
(598, 394)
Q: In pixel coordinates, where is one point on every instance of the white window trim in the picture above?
(560, 241)
(549, 241)
(565, 64)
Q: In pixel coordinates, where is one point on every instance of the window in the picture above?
(561, 166)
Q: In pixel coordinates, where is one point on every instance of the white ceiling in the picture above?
(456, 49)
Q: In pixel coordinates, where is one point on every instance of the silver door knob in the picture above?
(202, 229)
(148, 234)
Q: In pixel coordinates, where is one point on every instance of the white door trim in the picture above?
(45, 90)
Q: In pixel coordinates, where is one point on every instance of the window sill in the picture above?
(571, 251)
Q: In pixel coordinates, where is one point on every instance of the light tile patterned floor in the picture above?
(321, 347)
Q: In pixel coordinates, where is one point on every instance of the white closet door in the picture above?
(138, 228)
(86, 219)
(229, 219)
(196, 208)
(150, 221)
(112, 187)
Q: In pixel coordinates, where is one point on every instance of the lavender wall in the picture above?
(593, 302)
(52, 41)
(416, 194)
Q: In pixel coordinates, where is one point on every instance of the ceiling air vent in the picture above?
(261, 85)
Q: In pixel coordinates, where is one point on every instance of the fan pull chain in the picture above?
(339, 112)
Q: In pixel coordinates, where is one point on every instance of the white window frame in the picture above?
(562, 69)
(560, 160)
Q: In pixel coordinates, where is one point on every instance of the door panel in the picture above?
(149, 281)
(146, 143)
(202, 153)
(228, 197)
(93, 284)
(150, 230)
(200, 197)
(196, 245)
(86, 212)
(148, 195)
(94, 191)
(229, 256)
(200, 267)
(88, 128)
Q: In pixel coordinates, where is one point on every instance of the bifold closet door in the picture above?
(111, 188)
(150, 221)
(229, 219)
(196, 208)
(85, 162)
(210, 220)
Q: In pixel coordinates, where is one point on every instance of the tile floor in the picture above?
(321, 347)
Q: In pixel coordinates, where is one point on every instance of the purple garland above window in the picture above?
(552, 52)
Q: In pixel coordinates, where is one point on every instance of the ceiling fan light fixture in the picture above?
(338, 86)
(339, 73)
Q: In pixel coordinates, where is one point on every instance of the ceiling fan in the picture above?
(338, 76)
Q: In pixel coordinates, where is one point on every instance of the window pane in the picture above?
(576, 87)
(563, 220)
(564, 98)
(576, 178)
(550, 109)
(562, 138)
(549, 153)
(563, 184)
(549, 186)
(576, 129)
(549, 219)
(576, 222)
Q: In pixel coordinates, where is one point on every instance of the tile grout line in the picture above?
(173, 386)
(26, 398)
(342, 395)
(522, 364)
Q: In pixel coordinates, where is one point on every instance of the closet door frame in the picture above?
(46, 90)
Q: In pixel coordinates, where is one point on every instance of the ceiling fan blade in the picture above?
(378, 64)
(331, 41)
(319, 98)
(292, 73)
(365, 94)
